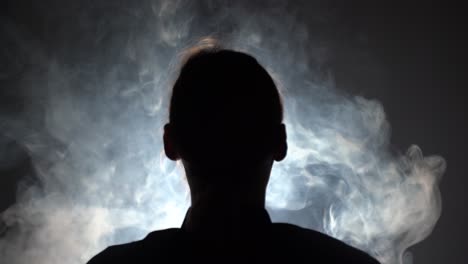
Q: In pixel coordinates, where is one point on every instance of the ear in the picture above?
(169, 144)
(282, 145)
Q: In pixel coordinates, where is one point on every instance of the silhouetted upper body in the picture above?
(259, 241)
(225, 126)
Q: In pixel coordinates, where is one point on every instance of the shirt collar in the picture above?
(224, 222)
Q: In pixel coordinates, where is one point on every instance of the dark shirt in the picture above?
(261, 241)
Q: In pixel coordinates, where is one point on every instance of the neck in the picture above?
(231, 202)
(228, 197)
(226, 213)
(235, 186)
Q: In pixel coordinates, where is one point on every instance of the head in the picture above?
(225, 123)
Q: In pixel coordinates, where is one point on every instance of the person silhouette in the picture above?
(225, 126)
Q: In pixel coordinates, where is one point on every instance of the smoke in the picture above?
(91, 115)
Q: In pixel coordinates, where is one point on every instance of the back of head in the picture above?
(225, 112)
(224, 105)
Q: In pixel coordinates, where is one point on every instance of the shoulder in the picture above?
(136, 251)
(322, 246)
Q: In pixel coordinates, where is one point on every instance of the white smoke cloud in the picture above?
(93, 132)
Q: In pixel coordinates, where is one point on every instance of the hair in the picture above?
(224, 101)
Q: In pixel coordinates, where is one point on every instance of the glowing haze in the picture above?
(93, 120)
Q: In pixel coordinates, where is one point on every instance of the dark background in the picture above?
(418, 54)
